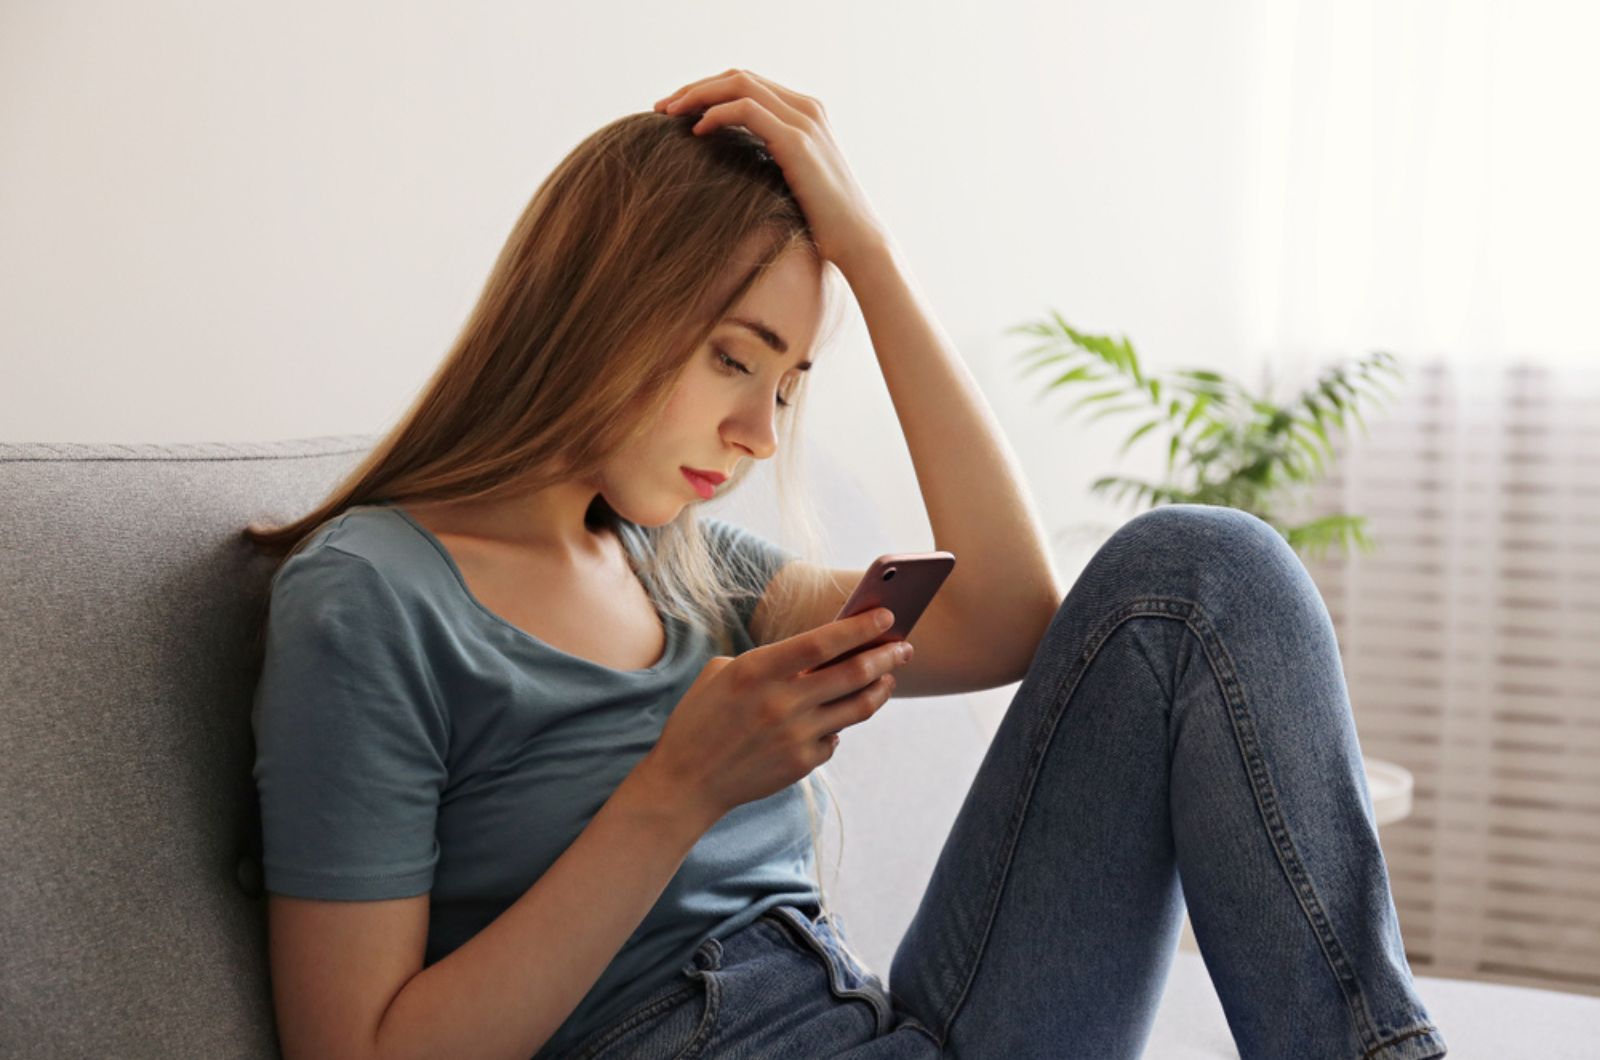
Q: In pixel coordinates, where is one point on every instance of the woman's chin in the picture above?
(661, 516)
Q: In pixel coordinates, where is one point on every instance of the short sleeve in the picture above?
(351, 741)
(750, 558)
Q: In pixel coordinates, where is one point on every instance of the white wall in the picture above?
(237, 222)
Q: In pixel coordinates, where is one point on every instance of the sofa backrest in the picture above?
(131, 903)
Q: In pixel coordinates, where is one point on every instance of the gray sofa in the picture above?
(131, 909)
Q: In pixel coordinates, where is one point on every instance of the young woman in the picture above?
(535, 744)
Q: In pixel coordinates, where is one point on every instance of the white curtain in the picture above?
(1471, 646)
(1427, 185)
(1427, 181)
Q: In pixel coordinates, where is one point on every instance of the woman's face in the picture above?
(717, 414)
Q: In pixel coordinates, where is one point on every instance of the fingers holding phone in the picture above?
(903, 582)
(754, 724)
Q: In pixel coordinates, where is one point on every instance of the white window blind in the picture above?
(1471, 645)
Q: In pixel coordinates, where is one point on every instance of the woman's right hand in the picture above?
(754, 724)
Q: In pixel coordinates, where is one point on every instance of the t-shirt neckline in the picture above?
(667, 649)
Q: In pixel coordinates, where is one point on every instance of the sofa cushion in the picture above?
(1480, 1021)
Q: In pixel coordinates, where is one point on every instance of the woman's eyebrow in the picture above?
(773, 340)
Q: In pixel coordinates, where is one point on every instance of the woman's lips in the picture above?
(702, 485)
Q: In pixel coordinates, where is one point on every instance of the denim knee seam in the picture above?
(1158, 606)
(1223, 670)
(1199, 624)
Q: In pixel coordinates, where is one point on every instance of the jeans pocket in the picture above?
(846, 979)
(674, 1023)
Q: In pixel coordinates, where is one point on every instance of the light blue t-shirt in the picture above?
(408, 740)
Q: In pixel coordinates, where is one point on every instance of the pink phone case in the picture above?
(904, 582)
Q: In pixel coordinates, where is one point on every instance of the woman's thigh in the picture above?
(1185, 710)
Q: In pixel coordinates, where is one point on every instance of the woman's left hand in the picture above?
(794, 129)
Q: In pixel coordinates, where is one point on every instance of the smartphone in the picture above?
(904, 582)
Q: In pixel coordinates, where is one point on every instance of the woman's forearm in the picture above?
(506, 991)
(978, 503)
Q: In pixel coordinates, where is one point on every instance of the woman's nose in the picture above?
(758, 433)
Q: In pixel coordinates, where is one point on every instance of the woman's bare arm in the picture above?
(507, 990)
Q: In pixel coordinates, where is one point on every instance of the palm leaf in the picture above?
(1236, 449)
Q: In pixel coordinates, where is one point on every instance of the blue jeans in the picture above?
(1183, 735)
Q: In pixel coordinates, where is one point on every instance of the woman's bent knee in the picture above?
(1205, 533)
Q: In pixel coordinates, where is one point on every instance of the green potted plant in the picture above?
(1226, 446)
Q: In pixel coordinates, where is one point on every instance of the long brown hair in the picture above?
(611, 281)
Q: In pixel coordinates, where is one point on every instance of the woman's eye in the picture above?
(730, 361)
(725, 359)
